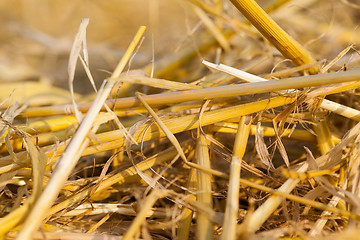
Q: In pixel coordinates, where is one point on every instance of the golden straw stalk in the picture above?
(232, 203)
(288, 46)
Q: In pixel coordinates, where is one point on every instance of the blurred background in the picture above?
(36, 35)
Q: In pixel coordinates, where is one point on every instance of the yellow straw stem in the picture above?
(114, 139)
(148, 202)
(302, 200)
(204, 195)
(340, 109)
(214, 92)
(294, 134)
(263, 212)
(288, 47)
(324, 137)
(232, 203)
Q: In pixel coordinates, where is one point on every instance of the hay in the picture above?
(218, 124)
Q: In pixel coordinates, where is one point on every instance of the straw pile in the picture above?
(241, 132)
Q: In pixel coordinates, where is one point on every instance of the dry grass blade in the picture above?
(79, 43)
(168, 133)
(175, 142)
(340, 55)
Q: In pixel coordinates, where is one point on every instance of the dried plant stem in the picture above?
(214, 92)
(118, 178)
(185, 123)
(266, 209)
(263, 212)
(301, 200)
(157, 83)
(73, 152)
(186, 213)
(46, 125)
(17, 216)
(341, 109)
(326, 104)
(170, 135)
(232, 203)
(111, 140)
(296, 134)
(289, 47)
(320, 223)
(98, 224)
(147, 204)
(204, 194)
(325, 142)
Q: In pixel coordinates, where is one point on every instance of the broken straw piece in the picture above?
(234, 72)
(248, 77)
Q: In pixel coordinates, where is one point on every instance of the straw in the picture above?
(203, 195)
(288, 47)
(216, 92)
(72, 152)
(232, 203)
